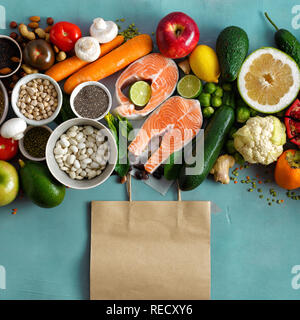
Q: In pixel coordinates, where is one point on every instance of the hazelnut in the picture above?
(14, 35)
(50, 21)
(13, 24)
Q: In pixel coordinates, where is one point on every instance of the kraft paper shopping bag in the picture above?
(150, 250)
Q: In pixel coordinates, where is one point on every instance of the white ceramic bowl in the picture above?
(5, 96)
(23, 150)
(20, 54)
(15, 96)
(89, 83)
(63, 177)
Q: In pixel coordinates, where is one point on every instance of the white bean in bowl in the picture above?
(82, 152)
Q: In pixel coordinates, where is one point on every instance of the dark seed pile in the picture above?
(8, 50)
(35, 141)
(91, 102)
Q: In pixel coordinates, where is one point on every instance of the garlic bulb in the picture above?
(87, 49)
(13, 128)
(103, 31)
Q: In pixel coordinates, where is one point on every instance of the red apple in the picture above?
(177, 35)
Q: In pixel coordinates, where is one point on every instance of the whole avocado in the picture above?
(39, 185)
(232, 48)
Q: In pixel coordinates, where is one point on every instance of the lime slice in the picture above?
(140, 93)
(189, 86)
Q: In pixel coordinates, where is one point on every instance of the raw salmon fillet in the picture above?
(178, 120)
(160, 71)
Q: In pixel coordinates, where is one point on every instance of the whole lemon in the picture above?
(204, 63)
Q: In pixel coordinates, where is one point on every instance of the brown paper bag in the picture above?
(150, 250)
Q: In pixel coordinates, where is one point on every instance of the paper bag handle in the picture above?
(128, 186)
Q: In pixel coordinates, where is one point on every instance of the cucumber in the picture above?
(172, 166)
(215, 136)
(286, 42)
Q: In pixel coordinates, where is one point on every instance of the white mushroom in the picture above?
(87, 49)
(13, 128)
(103, 31)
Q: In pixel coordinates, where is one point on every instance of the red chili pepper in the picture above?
(292, 122)
(64, 35)
(8, 148)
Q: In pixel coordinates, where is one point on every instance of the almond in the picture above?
(33, 25)
(35, 19)
(15, 59)
(5, 70)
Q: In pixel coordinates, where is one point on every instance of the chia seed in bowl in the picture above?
(91, 102)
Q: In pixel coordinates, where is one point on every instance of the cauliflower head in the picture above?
(261, 139)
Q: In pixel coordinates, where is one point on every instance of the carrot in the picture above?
(114, 61)
(63, 69)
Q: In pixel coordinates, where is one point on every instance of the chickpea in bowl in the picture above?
(37, 99)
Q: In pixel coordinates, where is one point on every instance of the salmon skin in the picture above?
(177, 120)
(160, 71)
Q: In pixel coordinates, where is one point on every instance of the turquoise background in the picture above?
(254, 246)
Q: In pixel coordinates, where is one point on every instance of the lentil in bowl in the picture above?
(33, 144)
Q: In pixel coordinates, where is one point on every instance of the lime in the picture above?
(189, 86)
(140, 93)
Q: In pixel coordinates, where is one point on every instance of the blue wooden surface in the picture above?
(46, 252)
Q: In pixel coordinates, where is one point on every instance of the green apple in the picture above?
(9, 183)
